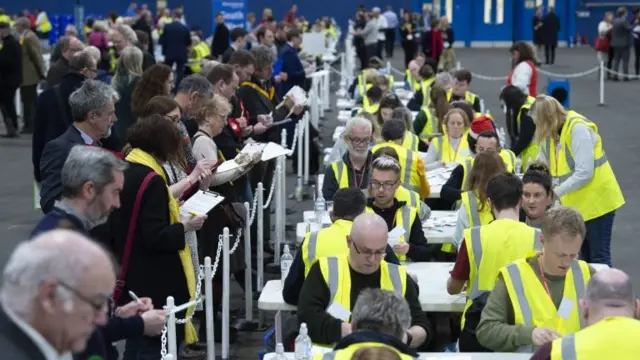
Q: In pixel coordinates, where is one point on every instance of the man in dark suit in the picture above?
(70, 46)
(175, 41)
(93, 112)
(10, 78)
(550, 30)
(53, 309)
(238, 41)
(291, 64)
(53, 113)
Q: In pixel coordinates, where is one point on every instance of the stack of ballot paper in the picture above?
(440, 221)
(200, 203)
(439, 176)
(298, 95)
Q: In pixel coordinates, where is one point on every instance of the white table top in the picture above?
(447, 356)
(345, 104)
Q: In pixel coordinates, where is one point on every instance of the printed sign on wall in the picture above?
(233, 11)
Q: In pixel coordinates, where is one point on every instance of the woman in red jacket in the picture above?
(432, 43)
(524, 74)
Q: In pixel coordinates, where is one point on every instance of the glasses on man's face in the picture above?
(375, 185)
(99, 302)
(368, 252)
(359, 141)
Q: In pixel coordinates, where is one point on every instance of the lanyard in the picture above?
(455, 152)
(262, 91)
(543, 277)
(355, 175)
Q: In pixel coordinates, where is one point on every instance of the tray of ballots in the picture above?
(344, 115)
(345, 104)
(438, 177)
(440, 227)
(338, 132)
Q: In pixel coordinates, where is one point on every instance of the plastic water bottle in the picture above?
(319, 208)
(280, 352)
(303, 344)
(285, 262)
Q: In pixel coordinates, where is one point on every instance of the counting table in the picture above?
(441, 356)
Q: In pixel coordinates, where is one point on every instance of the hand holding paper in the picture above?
(265, 119)
(394, 236)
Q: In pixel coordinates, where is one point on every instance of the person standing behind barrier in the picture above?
(603, 43)
(159, 262)
(610, 311)
(327, 310)
(537, 194)
(524, 74)
(621, 43)
(348, 203)
(550, 29)
(11, 75)
(520, 126)
(536, 24)
(582, 175)
(33, 70)
(535, 300)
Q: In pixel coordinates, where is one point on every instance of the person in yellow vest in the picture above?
(413, 175)
(121, 36)
(475, 209)
(535, 300)
(411, 140)
(537, 194)
(422, 98)
(379, 81)
(412, 76)
(164, 19)
(460, 91)
(353, 169)
(333, 284)
(520, 126)
(611, 312)
(410, 197)
(428, 123)
(348, 203)
(452, 146)
(4, 18)
(43, 24)
(582, 175)
(196, 56)
(373, 97)
(359, 83)
(486, 249)
(380, 321)
(402, 220)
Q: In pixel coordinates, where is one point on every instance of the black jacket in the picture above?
(15, 344)
(261, 103)
(175, 41)
(331, 185)
(220, 40)
(57, 72)
(451, 190)
(10, 67)
(226, 55)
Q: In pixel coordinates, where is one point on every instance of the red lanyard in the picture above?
(355, 175)
(543, 276)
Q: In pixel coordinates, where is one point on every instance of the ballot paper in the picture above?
(201, 203)
(36, 196)
(298, 95)
(440, 221)
(273, 150)
(394, 236)
(439, 176)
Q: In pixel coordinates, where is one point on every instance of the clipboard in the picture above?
(201, 203)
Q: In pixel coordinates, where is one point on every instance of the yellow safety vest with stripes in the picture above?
(410, 141)
(414, 84)
(45, 26)
(335, 271)
(409, 164)
(532, 150)
(468, 96)
(426, 91)
(331, 241)
(430, 126)
(493, 246)
(348, 352)
(5, 19)
(412, 198)
(362, 83)
(601, 194)
(508, 157)
(445, 151)
(405, 216)
(164, 20)
(204, 48)
(533, 307)
(113, 60)
(613, 337)
(198, 53)
(341, 174)
(476, 216)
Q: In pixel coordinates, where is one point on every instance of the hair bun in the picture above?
(538, 166)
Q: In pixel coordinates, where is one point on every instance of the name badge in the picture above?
(339, 312)
(409, 37)
(565, 309)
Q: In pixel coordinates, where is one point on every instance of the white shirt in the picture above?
(381, 21)
(41, 343)
(87, 139)
(521, 77)
(604, 27)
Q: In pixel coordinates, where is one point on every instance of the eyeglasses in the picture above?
(368, 252)
(359, 141)
(386, 185)
(98, 302)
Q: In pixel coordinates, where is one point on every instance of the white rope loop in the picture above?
(273, 186)
(615, 73)
(570, 76)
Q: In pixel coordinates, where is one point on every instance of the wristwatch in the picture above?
(409, 338)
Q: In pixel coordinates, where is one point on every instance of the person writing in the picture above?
(325, 306)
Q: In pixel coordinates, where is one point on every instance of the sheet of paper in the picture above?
(298, 95)
(36, 196)
(273, 150)
(201, 203)
(339, 312)
(227, 166)
(281, 122)
(394, 236)
(253, 148)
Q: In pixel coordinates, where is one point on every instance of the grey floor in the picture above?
(616, 121)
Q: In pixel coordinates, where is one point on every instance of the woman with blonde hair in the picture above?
(582, 175)
(126, 76)
(475, 209)
(452, 145)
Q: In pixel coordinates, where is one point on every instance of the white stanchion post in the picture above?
(388, 68)
(458, 65)
(343, 70)
(260, 240)
(225, 293)
(283, 186)
(208, 303)
(326, 87)
(306, 146)
(172, 345)
(277, 197)
(248, 277)
(168, 357)
(602, 70)
(301, 131)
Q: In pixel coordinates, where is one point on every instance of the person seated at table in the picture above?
(537, 194)
(421, 98)
(347, 205)
(428, 121)
(411, 140)
(444, 79)
(402, 193)
(610, 310)
(451, 146)
(475, 209)
(340, 147)
(380, 320)
(353, 169)
(535, 300)
(384, 112)
(325, 306)
(520, 125)
(373, 96)
(412, 167)
(412, 76)
(460, 91)
(399, 216)
(486, 249)
(358, 86)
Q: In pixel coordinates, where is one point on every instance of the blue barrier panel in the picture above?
(561, 90)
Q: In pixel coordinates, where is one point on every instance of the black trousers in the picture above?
(389, 42)
(550, 53)
(371, 51)
(8, 107)
(379, 47)
(637, 62)
(28, 95)
(180, 67)
(410, 48)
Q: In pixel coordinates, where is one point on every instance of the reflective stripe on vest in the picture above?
(568, 347)
(476, 246)
(313, 243)
(467, 170)
(473, 209)
(407, 172)
(338, 170)
(406, 224)
(431, 126)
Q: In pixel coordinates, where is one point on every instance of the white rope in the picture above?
(615, 73)
(488, 78)
(574, 75)
(273, 186)
(398, 72)
(295, 138)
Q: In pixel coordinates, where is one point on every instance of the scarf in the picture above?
(138, 156)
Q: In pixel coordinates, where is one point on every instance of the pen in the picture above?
(135, 297)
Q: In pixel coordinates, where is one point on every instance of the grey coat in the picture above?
(621, 33)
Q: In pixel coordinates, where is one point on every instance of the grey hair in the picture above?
(381, 311)
(393, 129)
(264, 56)
(358, 121)
(80, 61)
(129, 65)
(94, 52)
(444, 79)
(88, 164)
(127, 33)
(208, 65)
(386, 163)
(93, 95)
(33, 262)
(23, 22)
(196, 83)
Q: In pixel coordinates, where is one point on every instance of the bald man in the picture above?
(327, 310)
(412, 76)
(610, 310)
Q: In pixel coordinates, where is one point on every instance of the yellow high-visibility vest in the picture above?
(410, 172)
(445, 151)
(45, 26)
(430, 126)
(196, 59)
(405, 216)
(468, 96)
(426, 91)
(507, 156)
(362, 83)
(613, 337)
(492, 247)
(476, 216)
(331, 241)
(531, 304)
(348, 352)
(412, 198)
(414, 84)
(410, 141)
